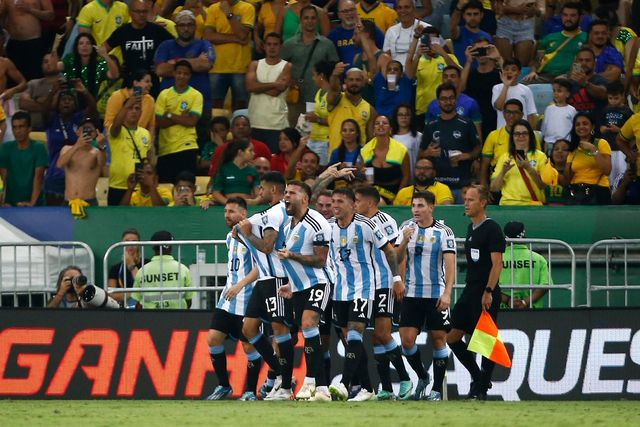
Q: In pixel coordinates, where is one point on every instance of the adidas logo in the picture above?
(361, 315)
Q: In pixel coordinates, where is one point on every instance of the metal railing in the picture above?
(30, 269)
(199, 269)
(616, 256)
(556, 252)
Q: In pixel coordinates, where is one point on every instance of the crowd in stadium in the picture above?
(533, 100)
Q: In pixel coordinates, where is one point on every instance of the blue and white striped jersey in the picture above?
(313, 230)
(239, 265)
(352, 253)
(425, 265)
(389, 228)
(269, 265)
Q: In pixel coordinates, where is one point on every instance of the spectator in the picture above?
(324, 204)
(184, 191)
(22, 165)
(290, 21)
(3, 124)
(515, 32)
(453, 141)
(464, 35)
(220, 127)
(389, 160)
(262, 165)
(177, 112)
(347, 154)
(26, 46)
(478, 82)
(342, 35)
(319, 118)
(268, 80)
(522, 266)
(101, 18)
(371, 59)
(378, 12)
(304, 51)
(228, 27)
(123, 274)
(61, 131)
(270, 13)
(348, 104)
(82, 163)
(66, 294)
(307, 168)
(137, 87)
(196, 7)
(556, 51)
(609, 62)
(553, 173)
(9, 72)
(130, 145)
(558, 117)
(201, 56)
(627, 187)
(588, 165)
(393, 87)
(90, 65)
(589, 90)
(405, 131)
(518, 173)
(427, 62)
(236, 176)
(398, 38)
(613, 117)
(36, 100)
(424, 179)
(143, 188)
(511, 89)
(162, 271)
(288, 143)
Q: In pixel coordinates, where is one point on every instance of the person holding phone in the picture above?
(143, 189)
(518, 172)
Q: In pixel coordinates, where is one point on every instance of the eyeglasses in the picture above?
(520, 134)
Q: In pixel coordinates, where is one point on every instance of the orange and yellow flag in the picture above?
(486, 341)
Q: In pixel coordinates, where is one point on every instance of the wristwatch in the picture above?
(230, 15)
(488, 289)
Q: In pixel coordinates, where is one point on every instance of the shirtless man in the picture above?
(8, 69)
(26, 46)
(82, 163)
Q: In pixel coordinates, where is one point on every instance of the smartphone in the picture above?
(137, 91)
(425, 40)
(138, 171)
(480, 51)
(576, 68)
(86, 132)
(521, 154)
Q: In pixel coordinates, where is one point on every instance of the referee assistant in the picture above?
(484, 246)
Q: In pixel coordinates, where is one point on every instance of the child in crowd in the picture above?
(558, 117)
(615, 114)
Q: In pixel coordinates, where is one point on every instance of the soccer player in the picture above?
(484, 246)
(227, 317)
(352, 252)
(385, 348)
(427, 253)
(305, 258)
(263, 233)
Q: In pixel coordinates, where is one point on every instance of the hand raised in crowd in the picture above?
(578, 77)
(132, 182)
(207, 203)
(79, 87)
(339, 69)
(587, 146)
(311, 117)
(101, 50)
(506, 80)
(507, 166)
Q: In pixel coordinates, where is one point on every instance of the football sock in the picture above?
(466, 358)
(219, 361)
(353, 354)
(286, 358)
(440, 359)
(315, 358)
(263, 346)
(382, 365)
(415, 361)
(254, 363)
(395, 356)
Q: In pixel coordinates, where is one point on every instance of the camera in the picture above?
(79, 280)
(480, 51)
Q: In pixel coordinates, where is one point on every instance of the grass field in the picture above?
(260, 414)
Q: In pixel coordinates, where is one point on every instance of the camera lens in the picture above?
(79, 280)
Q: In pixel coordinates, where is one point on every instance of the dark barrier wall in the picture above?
(557, 354)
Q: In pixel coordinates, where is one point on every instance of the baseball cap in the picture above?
(90, 120)
(514, 230)
(184, 15)
(160, 236)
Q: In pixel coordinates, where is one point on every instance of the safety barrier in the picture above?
(556, 252)
(29, 270)
(621, 261)
(193, 254)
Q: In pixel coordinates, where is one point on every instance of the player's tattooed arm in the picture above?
(266, 244)
(317, 260)
(392, 259)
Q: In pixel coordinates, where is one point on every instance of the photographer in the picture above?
(73, 291)
(184, 191)
(143, 189)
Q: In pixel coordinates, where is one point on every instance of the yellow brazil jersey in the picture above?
(199, 21)
(514, 190)
(395, 156)
(231, 57)
(168, 25)
(177, 138)
(497, 144)
(320, 132)
(585, 168)
(138, 198)
(381, 15)
(103, 21)
(124, 156)
(345, 109)
(429, 76)
(441, 191)
(630, 131)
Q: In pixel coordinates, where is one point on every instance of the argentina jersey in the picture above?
(352, 253)
(239, 266)
(269, 265)
(389, 228)
(312, 231)
(425, 276)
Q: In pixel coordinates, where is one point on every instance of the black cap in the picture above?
(161, 236)
(89, 120)
(514, 230)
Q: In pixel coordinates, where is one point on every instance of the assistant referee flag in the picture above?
(486, 341)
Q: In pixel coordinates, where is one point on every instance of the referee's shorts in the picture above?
(466, 312)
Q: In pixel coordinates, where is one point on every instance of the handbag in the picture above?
(293, 96)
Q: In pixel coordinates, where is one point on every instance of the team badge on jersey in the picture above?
(421, 239)
(378, 234)
(265, 220)
(118, 20)
(343, 241)
(475, 254)
(355, 239)
(433, 239)
(389, 230)
(320, 238)
(450, 244)
(183, 105)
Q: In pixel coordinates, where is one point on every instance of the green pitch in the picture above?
(303, 414)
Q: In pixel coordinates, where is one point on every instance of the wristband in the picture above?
(488, 289)
(397, 279)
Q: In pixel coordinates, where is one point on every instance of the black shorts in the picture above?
(421, 313)
(358, 310)
(265, 303)
(315, 298)
(385, 304)
(466, 312)
(227, 323)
